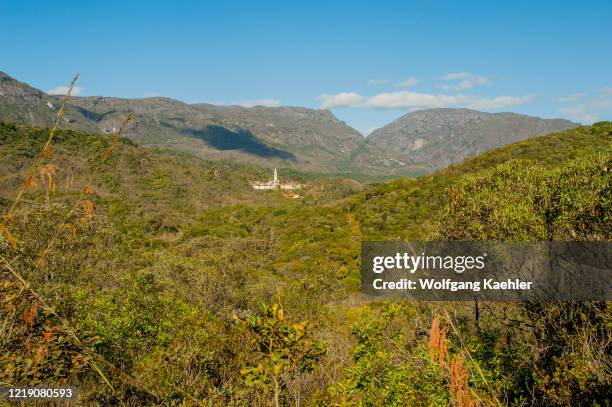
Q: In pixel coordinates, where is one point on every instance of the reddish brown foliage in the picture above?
(459, 389)
(437, 342)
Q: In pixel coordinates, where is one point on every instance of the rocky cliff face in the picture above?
(22, 103)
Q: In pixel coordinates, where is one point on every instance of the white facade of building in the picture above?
(276, 184)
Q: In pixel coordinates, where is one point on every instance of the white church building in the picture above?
(276, 184)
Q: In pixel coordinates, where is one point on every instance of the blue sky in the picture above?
(369, 62)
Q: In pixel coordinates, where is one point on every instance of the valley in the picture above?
(179, 263)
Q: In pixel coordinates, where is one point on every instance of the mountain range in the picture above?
(426, 140)
(295, 137)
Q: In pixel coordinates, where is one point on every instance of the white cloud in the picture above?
(260, 102)
(573, 98)
(456, 76)
(407, 100)
(463, 80)
(580, 113)
(408, 82)
(379, 82)
(62, 90)
(344, 99)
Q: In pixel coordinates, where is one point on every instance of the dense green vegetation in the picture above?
(540, 353)
(183, 286)
(408, 208)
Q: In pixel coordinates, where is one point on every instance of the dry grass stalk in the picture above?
(459, 390)
(438, 348)
(47, 173)
(46, 151)
(106, 154)
(465, 351)
(69, 180)
(30, 181)
(458, 372)
(88, 208)
(86, 205)
(47, 180)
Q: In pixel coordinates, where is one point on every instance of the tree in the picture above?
(282, 351)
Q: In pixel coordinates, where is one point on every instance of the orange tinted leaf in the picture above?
(8, 236)
(5, 221)
(11, 240)
(47, 152)
(71, 228)
(30, 315)
(40, 354)
(29, 182)
(88, 208)
(299, 327)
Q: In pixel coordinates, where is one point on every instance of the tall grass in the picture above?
(453, 368)
(30, 181)
(46, 175)
(83, 202)
(46, 152)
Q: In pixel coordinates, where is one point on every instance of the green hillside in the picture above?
(184, 286)
(159, 190)
(550, 150)
(407, 208)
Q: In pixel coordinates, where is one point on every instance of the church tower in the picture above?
(275, 177)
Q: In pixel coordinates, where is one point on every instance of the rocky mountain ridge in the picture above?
(296, 137)
(426, 140)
